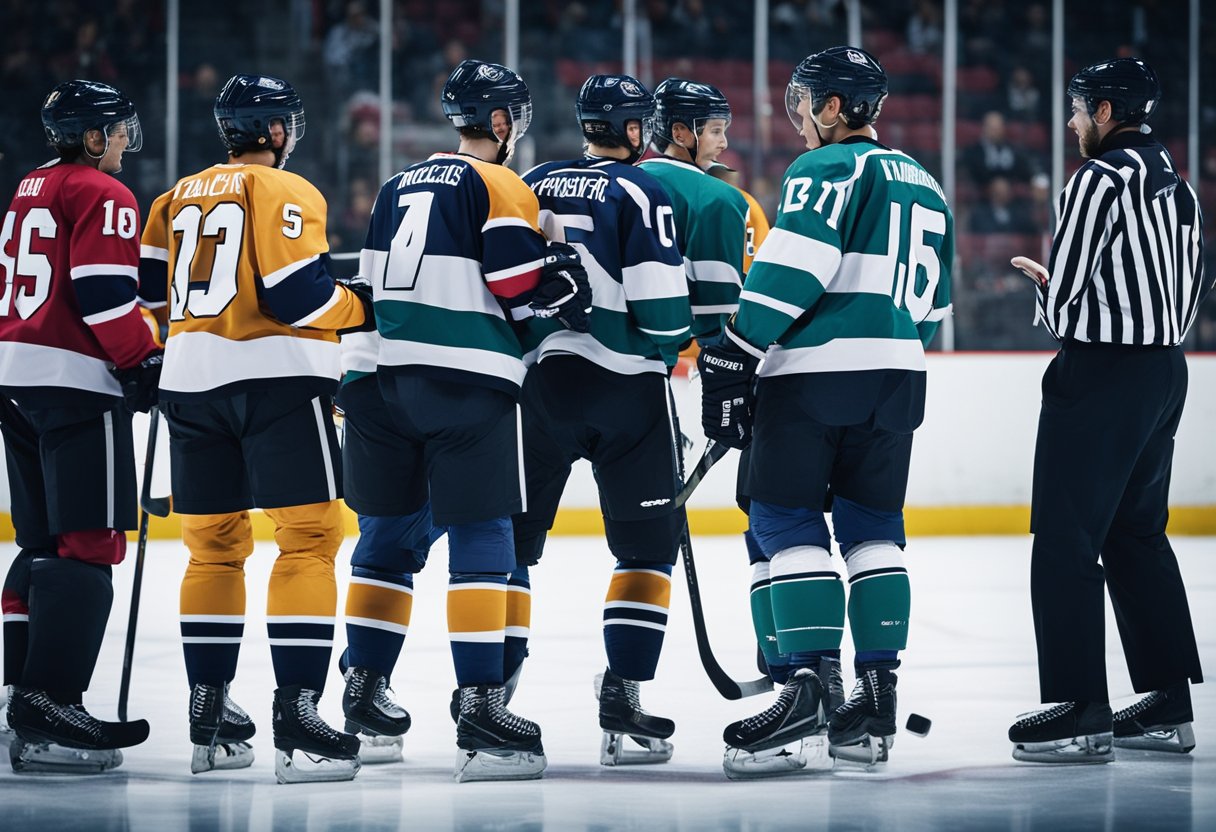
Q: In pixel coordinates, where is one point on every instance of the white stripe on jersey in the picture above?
(35, 365)
(638, 196)
(326, 459)
(565, 342)
(154, 253)
(360, 351)
(320, 310)
(396, 353)
(513, 271)
(105, 269)
(872, 274)
(846, 355)
(196, 362)
(713, 271)
(781, 306)
(109, 314)
(278, 276)
(794, 251)
(654, 281)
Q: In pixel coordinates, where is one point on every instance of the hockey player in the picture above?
(603, 395)
(840, 302)
(251, 364)
(70, 255)
(457, 260)
(710, 216)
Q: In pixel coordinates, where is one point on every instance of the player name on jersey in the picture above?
(589, 184)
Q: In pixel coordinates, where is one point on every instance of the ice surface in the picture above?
(970, 668)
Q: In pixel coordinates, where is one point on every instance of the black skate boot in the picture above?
(799, 713)
(510, 685)
(1071, 732)
(55, 737)
(1160, 721)
(376, 718)
(324, 754)
(621, 716)
(493, 743)
(220, 730)
(862, 730)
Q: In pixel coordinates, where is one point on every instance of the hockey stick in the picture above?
(713, 452)
(725, 685)
(156, 506)
(141, 547)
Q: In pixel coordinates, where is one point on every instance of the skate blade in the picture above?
(1091, 748)
(51, 758)
(298, 767)
(626, 750)
(222, 756)
(1173, 739)
(475, 766)
(376, 749)
(806, 756)
(869, 753)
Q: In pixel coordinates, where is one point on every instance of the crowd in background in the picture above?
(330, 50)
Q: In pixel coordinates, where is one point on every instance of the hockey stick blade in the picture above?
(156, 506)
(713, 452)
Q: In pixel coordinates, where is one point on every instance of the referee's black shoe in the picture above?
(1071, 732)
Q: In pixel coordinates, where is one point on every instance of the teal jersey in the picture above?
(711, 230)
(855, 275)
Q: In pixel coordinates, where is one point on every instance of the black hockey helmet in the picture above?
(1129, 84)
(476, 89)
(680, 101)
(249, 105)
(605, 106)
(852, 74)
(75, 107)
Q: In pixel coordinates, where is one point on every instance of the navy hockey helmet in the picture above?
(853, 75)
(1129, 84)
(75, 107)
(680, 101)
(249, 107)
(605, 106)
(476, 90)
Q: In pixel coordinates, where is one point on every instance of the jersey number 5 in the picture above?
(206, 297)
(29, 264)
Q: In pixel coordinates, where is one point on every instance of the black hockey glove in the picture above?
(727, 379)
(564, 291)
(361, 288)
(141, 383)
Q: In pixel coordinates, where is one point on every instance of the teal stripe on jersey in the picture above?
(446, 327)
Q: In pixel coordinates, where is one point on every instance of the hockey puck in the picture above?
(918, 725)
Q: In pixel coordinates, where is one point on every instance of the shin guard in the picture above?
(519, 621)
(880, 597)
(69, 605)
(808, 600)
(213, 594)
(477, 623)
(635, 618)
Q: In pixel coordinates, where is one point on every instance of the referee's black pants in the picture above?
(1101, 485)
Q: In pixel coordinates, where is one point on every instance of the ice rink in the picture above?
(970, 667)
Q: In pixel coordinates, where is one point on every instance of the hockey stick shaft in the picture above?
(713, 452)
(124, 688)
(156, 506)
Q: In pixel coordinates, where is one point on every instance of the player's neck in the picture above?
(618, 153)
(484, 149)
(679, 153)
(253, 157)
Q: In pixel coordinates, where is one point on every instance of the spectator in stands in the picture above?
(195, 148)
(441, 67)
(89, 57)
(1041, 203)
(1025, 103)
(350, 51)
(1001, 212)
(925, 27)
(993, 155)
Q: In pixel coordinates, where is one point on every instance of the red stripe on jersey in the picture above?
(515, 285)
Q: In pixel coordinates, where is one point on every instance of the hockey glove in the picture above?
(360, 287)
(564, 291)
(141, 383)
(727, 379)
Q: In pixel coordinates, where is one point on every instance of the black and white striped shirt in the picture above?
(1127, 259)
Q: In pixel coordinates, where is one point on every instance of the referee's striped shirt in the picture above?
(1127, 259)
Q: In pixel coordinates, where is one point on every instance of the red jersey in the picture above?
(69, 259)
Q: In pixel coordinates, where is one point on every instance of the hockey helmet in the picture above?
(852, 74)
(607, 103)
(476, 90)
(1129, 84)
(247, 109)
(75, 107)
(680, 101)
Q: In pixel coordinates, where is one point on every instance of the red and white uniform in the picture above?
(69, 259)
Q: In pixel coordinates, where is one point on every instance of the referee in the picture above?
(1123, 286)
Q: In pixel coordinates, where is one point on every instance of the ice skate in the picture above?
(493, 743)
(862, 730)
(1071, 732)
(784, 739)
(631, 736)
(1160, 721)
(510, 685)
(55, 738)
(6, 733)
(374, 716)
(220, 730)
(308, 750)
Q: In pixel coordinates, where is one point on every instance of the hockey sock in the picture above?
(378, 607)
(213, 594)
(762, 621)
(519, 619)
(808, 600)
(302, 599)
(880, 599)
(15, 607)
(477, 623)
(635, 618)
(69, 605)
